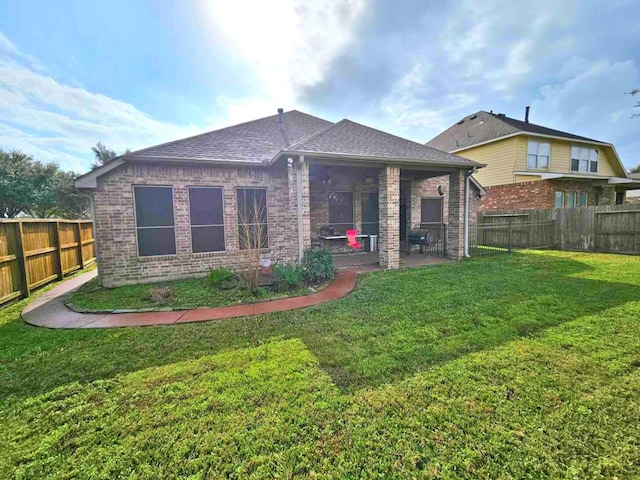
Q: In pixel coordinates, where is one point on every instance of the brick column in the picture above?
(455, 229)
(293, 172)
(389, 200)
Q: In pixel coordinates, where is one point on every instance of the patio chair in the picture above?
(352, 241)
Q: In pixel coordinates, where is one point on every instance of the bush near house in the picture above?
(317, 267)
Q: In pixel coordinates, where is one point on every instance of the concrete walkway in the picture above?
(49, 309)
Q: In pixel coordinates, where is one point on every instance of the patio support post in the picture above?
(389, 201)
(298, 180)
(455, 228)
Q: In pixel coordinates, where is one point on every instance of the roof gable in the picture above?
(482, 127)
(257, 141)
(353, 139)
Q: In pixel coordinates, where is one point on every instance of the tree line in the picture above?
(29, 187)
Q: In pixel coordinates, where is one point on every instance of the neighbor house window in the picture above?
(584, 160)
(370, 213)
(559, 199)
(430, 211)
(155, 229)
(207, 219)
(582, 199)
(252, 218)
(341, 211)
(538, 154)
(571, 199)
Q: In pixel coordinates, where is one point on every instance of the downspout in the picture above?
(466, 212)
(299, 208)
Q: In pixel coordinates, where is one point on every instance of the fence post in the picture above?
(444, 252)
(58, 251)
(79, 230)
(595, 230)
(510, 227)
(22, 260)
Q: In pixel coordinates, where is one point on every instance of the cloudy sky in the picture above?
(134, 73)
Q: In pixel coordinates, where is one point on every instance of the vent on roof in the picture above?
(280, 115)
(460, 122)
(473, 116)
(501, 115)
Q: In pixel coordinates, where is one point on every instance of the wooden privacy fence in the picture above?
(607, 228)
(34, 252)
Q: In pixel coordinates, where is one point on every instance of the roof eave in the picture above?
(468, 165)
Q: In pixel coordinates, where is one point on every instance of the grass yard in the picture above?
(515, 366)
(185, 294)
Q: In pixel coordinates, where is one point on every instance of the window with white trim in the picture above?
(538, 154)
(155, 228)
(584, 159)
(559, 199)
(206, 214)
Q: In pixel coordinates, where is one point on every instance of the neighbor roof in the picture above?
(484, 126)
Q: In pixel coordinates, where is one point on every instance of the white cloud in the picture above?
(288, 44)
(593, 103)
(57, 122)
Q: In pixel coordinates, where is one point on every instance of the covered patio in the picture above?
(386, 206)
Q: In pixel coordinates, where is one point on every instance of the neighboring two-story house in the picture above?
(531, 166)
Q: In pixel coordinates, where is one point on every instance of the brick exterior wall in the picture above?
(119, 263)
(389, 204)
(541, 194)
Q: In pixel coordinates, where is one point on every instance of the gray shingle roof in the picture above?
(257, 141)
(353, 139)
(485, 126)
(261, 141)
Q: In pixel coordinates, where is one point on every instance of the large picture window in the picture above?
(207, 219)
(430, 211)
(584, 160)
(341, 211)
(252, 218)
(370, 213)
(154, 220)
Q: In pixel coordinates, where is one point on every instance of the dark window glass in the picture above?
(593, 167)
(154, 206)
(154, 221)
(205, 205)
(207, 219)
(207, 239)
(341, 211)
(575, 164)
(431, 210)
(252, 218)
(370, 213)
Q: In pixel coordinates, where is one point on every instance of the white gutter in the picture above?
(466, 214)
(299, 208)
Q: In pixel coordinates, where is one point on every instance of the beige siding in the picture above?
(500, 158)
(503, 157)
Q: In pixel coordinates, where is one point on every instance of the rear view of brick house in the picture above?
(180, 209)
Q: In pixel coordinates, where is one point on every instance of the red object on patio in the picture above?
(352, 240)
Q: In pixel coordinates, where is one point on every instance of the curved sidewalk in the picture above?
(49, 310)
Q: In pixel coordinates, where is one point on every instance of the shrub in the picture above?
(317, 267)
(218, 276)
(159, 294)
(287, 277)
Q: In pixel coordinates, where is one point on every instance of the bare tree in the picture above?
(253, 239)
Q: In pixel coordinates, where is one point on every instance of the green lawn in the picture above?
(185, 294)
(514, 366)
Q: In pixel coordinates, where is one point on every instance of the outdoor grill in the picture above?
(419, 236)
